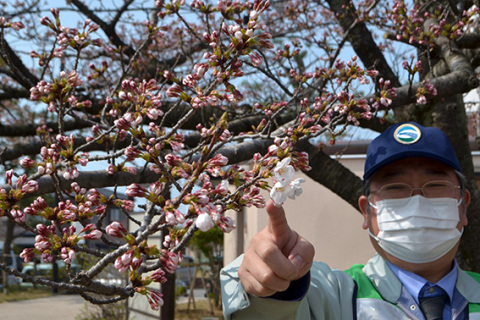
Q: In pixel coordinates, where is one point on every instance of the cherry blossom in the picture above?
(283, 171)
(204, 222)
(284, 186)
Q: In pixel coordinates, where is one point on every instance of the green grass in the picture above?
(16, 293)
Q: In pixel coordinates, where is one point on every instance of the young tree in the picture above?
(162, 96)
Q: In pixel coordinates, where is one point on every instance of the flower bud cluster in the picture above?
(173, 216)
(72, 37)
(143, 96)
(50, 245)
(408, 25)
(129, 259)
(225, 63)
(170, 260)
(424, 90)
(5, 23)
(210, 212)
(323, 110)
(97, 72)
(133, 258)
(59, 91)
(385, 94)
(18, 190)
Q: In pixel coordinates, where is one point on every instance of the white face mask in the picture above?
(421, 231)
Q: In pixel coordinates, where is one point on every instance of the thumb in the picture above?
(277, 221)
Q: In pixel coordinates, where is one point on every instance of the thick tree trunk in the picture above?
(449, 115)
(167, 311)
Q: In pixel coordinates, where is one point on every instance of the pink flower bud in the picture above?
(158, 276)
(257, 59)
(67, 254)
(47, 256)
(128, 205)
(120, 266)
(123, 124)
(116, 229)
(136, 263)
(155, 300)
(27, 163)
(94, 235)
(27, 254)
(8, 176)
(18, 215)
(218, 160)
(170, 261)
(30, 186)
(135, 190)
(127, 257)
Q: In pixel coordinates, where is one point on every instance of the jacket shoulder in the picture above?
(365, 287)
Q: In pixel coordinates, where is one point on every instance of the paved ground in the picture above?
(199, 294)
(58, 307)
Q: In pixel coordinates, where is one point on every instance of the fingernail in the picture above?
(298, 261)
(278, 205)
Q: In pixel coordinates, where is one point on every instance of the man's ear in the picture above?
(466, 198)
(466, 202)
(365, 209)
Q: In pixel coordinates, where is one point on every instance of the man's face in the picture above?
(414, 172)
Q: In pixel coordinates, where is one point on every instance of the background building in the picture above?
(332, 225)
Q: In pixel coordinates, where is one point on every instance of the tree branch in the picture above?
(23, 76)
(361, 40)
(109, 29)
(93, 287)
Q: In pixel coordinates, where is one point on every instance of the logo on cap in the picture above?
(407, 134)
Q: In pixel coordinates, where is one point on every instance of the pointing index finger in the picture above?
(277, 221)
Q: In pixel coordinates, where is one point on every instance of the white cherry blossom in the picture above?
(285, 186)
(204, 222)
(283, 170)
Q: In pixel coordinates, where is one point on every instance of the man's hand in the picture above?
(276, 256)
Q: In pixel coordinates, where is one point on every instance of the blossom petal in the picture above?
(204, 222)
(279, 192)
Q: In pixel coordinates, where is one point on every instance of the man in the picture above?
(414, 208)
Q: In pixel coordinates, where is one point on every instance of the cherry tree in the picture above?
(168, 99)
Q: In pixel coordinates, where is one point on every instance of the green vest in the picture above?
(366, 289)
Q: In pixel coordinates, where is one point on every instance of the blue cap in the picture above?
(407, 140)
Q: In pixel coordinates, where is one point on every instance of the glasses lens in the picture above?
(391, 191)
(432, 189)
(438, 189)
(395, 191)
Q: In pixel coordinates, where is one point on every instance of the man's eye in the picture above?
(437, 185)
(394, 188)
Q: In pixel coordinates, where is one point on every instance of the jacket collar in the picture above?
(390, 288)
(387, 284)
(468, 287)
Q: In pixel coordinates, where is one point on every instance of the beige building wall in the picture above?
(328, 222)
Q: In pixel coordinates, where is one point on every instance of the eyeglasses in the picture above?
(432, 189)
